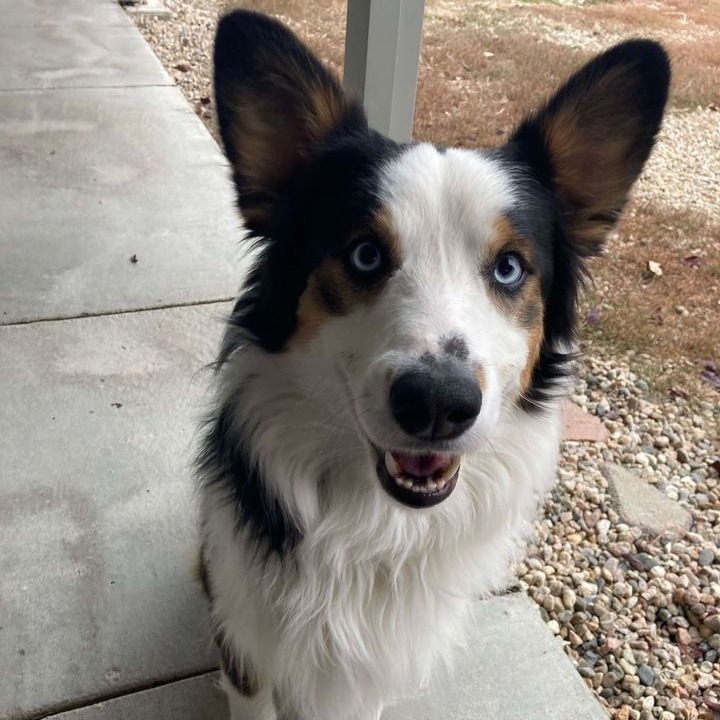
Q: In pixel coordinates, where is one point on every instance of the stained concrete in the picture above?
(92, 178)
(97, 524)
(197, 698)
(513, 669)
(28, 13)
(77, 53)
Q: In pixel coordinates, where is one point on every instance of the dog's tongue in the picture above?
(421, 465)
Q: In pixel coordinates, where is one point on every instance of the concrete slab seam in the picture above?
(63, 88)
(130, 311)
(69, 706)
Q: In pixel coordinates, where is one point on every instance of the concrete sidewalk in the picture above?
(103, 161)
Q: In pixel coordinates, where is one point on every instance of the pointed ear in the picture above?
(591, 140)
(276, 104)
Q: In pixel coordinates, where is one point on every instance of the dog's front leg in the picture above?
(245, 703)
(249, 697)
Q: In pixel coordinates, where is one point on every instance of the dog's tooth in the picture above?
(407, 484)
(398, 480)
(431, 486)
(416, 488)
(441, 483)
(390, 463)
(451, 469)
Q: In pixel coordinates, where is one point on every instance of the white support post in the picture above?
(382, 55)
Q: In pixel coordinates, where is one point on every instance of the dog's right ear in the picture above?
(276, 104)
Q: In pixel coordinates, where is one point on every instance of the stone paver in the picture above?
(149, 8)
(639, 503)
(91, 178)
(579, 425)
(97, 529)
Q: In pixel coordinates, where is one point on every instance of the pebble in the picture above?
(706, 557)
(568, 598)
(712, 622)
(646, 674)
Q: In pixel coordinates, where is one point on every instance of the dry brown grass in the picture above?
(673, 317)
(474, 87)
(690, 30)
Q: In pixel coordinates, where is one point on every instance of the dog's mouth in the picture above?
(419, 481)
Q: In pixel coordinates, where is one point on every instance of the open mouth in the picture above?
(418, 481)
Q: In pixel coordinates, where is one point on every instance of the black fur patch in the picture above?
(327, 188)
(204, 575)
(562, 275)
(326, 202)
(224, 462)
(239, 672)
(456, 346)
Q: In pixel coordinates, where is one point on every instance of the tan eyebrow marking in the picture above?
(330, 292)
(526, 307)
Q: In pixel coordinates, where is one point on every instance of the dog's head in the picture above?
(440, 284)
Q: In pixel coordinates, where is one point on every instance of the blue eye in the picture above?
(366, 257)
(509, 270)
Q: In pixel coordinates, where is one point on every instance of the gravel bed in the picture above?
(183, 43)
(638, 615)
(688, 150)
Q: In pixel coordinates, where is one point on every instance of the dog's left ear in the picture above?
(276, 104)
(590, 141)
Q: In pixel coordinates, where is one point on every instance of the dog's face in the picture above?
(439, 284)
(432, 312)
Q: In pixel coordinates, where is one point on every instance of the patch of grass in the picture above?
(696, 67)
(689, 30)
(475, 85)
(674, 317)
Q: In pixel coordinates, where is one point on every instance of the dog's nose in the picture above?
(439, 402)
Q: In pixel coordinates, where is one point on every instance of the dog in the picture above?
(389, 385)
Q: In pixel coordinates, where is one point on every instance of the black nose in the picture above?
(439, 402)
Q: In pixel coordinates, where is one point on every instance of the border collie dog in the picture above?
(390, 380)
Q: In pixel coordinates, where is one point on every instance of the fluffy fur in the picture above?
(381, 294)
